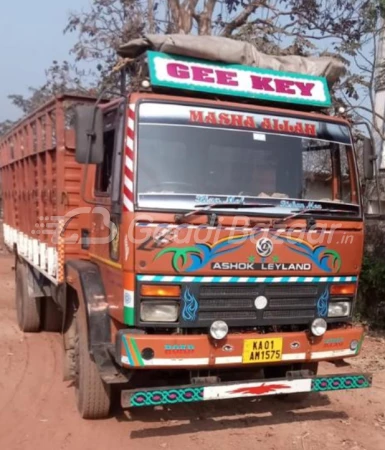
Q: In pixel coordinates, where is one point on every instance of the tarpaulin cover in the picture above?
(215, 48)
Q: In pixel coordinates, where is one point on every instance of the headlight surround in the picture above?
(159, 311)
(339, 308)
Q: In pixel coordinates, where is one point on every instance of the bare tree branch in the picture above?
(174, 10)
(205, 17)
(242, 17)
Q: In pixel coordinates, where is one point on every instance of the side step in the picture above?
(197, 393)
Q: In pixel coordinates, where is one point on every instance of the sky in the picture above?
(31, 37)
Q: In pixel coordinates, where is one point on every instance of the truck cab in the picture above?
(240, 242)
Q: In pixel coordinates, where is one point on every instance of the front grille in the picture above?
(234, 303)
(287, 304)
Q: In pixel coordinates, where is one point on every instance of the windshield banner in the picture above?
(236, 80)
(261, 124)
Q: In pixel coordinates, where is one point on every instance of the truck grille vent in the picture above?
(288, 303)
(289, 314)
(207, 291)
(237, 303)
(227, 315)
(288, 290)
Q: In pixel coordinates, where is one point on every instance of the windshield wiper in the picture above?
(331, 211)
(233, 205)
(203, 207)
(300, 212)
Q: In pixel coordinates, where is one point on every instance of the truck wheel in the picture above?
(53, 317)
(93, 396)
(27, 307)
(69, 337)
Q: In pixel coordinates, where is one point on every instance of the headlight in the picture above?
(219, 329)
(156, 311)
(339, 309)
(318, 326)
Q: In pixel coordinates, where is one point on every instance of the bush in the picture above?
(371, 291)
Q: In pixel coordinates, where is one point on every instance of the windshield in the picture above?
(189, 155)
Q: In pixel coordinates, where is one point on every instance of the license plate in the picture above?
(262, 350)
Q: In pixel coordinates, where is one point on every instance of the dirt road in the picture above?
(37, 409)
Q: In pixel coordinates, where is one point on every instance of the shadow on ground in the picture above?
(228, 414)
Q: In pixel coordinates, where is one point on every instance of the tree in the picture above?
(60, 78)
(277, 26)
(5, 126)
(363, 93)
(368, 71)
(281, 27)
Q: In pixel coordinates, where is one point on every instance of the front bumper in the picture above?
(197, 393)
(149, 351)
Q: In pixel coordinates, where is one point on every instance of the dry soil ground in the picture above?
(37, 409)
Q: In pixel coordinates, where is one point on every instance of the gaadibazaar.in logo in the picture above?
(55, 226)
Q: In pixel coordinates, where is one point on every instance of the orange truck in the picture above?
(198, 239)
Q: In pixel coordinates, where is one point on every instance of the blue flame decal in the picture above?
(322, 303)
(190, 306)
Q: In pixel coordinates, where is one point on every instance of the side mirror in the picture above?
(89, 134)
(369, 159)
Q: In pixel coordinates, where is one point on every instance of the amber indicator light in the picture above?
(155, 290)
(343, 289)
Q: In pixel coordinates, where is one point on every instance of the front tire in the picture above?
(69, 338)
(27, 307)
(93, 396)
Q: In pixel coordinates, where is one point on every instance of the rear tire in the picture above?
(53, 317)
(27, 307)
(93, 396)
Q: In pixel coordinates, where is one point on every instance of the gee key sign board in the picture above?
(235, 80)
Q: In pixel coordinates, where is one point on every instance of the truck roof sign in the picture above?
(178, 72)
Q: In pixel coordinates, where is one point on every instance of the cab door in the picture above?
(104, 243)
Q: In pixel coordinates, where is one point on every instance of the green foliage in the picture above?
(382, 8)
(5, 126)
(371, 293)
(372, 279)
(60, 78)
